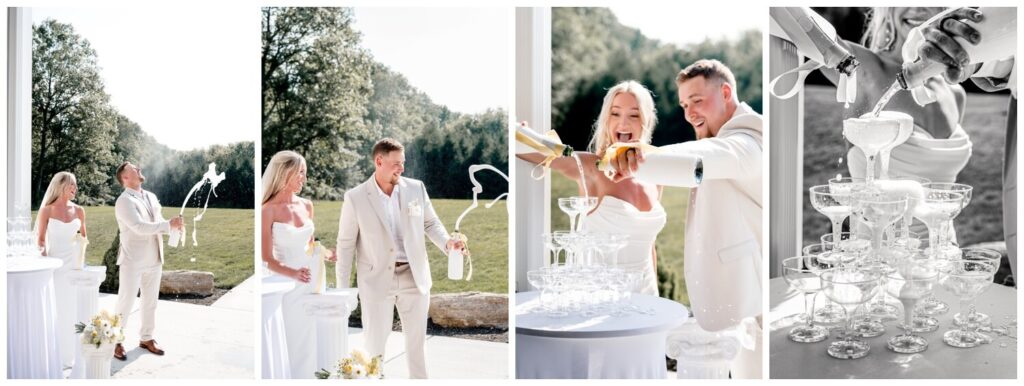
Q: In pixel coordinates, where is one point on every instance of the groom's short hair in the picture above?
(120, 170)
(710, 69)
(385, 146)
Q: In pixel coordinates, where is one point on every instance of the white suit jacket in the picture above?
(722, 256)
(364, 236)
(140, 228)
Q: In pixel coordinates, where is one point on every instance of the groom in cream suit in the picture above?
(722, 257)
(383, 225)
(141, 255)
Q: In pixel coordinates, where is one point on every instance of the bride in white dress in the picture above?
(629, 206)
(58, 223)
(287, 229)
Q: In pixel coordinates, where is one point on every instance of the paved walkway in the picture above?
(447, 358)
(214, 341)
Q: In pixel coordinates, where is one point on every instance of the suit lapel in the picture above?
(373, 195)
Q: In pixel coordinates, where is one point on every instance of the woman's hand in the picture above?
(301, 275)
(330, 255)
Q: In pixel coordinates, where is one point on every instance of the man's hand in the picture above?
(939, 45)
(454, 244)
(626, 163)
(330, 255)
(178, 223)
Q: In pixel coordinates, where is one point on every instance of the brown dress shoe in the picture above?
(119, 352)
(150, 345)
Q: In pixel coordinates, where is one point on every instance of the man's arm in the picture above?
(735, 156)
(124, 211)
(432, 225)
(348, 233)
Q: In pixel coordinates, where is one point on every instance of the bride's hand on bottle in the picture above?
(626, 163)
(301, 275)
(330, 255)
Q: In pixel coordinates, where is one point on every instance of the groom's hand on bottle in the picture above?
(178, 223)
(626, 163)
(454, 244)
(939, 45)
(302, 275)
(330, 255)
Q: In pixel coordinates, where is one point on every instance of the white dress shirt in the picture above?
(392, 213)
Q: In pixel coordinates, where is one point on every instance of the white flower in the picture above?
(360, 357)
(414, 209)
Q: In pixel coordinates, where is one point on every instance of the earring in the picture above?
(890, 30)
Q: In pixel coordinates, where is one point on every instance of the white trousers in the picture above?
(378, 316)
(132, 279)
(747, 364)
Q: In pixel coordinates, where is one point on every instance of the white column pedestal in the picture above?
(86, 283)
(32, 351)
(331, 310)
(275, 364)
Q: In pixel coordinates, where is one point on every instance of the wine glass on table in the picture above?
(911, 282)
(966, 280)
(837, 206)
(805, 280)
(850, 288)
(982, 255)
(947, 247)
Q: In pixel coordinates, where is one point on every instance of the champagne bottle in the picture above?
(455, 259)
(547, 144)
(659, 167)
(317, 267)
(813, 36)
(82, 243)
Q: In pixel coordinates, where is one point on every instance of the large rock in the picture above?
(469, 309)
(186, 283)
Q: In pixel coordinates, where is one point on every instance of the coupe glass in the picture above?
(583, 206)
(910, 283)
(966, 280)
(871, 135)
(831, 313)
(850, 288)
(851, 247)
(552, 247)
(836, 206)
(878, 211)
(980, 255)
(538, 279)
(562, 240)
(569, 207)
(803, 279)
(947, 229)
(936, 209)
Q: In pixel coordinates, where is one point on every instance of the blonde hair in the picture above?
(282, 166)
(601, 139)
(58, 184)
(880, 29)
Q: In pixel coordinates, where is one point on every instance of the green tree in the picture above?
(72, 122)
(316, 83)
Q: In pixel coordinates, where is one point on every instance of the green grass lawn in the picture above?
(225, 242)
(985, 123)
(670, 241)
(487, 230)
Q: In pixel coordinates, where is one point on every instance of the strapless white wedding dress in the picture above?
(62, 244)
(614, 215)
(290, 249)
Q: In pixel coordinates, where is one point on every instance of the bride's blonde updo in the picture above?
(602, 138)
(281, 168)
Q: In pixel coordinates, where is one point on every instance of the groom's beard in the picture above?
(394, 180)
(142, 178)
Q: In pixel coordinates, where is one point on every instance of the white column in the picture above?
(19, 107)
(86, 283)
(533, 104)
(786, 149)
(331, 310)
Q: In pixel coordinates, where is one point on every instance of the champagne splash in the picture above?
(583, 177)
(455, 256)
(889, 93)
(214, 179)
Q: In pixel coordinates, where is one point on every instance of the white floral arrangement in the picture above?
(358, 365)
(103, 328)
